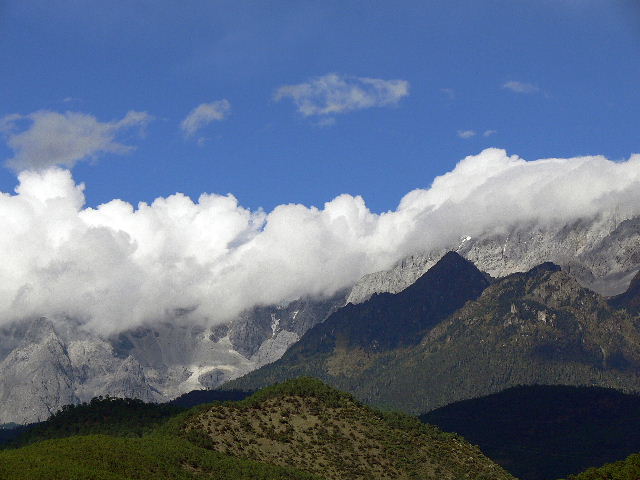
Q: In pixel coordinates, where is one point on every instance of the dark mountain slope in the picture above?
(543, 431)
(538, 327)
(390, 321)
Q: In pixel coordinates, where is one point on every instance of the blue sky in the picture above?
(538, 78)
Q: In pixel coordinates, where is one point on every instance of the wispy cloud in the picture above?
(488, 133)
(203, 115)
(449, 92)
(334, 94)
(43, 139)
(521, 87)
(466, 133)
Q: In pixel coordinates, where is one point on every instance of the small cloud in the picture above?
(466, 133)
(334, 94)
(488, 133)
(326, 122)
(449, 92)
(43, 139)
(520, 87)
(203, 115)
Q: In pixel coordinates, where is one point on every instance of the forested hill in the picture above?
(299, 430)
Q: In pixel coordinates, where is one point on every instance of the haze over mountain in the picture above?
(417, 202)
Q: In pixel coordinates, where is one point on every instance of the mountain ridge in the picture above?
(541, 326)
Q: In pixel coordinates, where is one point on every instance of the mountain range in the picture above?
(398, 351)
(47, 363)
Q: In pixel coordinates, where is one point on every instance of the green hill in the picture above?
(153, 457)
(308, 425)
(301, 429)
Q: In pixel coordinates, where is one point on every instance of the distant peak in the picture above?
(452, 263)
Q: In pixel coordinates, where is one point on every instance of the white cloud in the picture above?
(43, 139)
(466, 133)
(333, 94)
(116, 266)
(520, 87)
(203, 115)
(488, 133)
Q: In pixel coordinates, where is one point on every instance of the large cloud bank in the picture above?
(115, 267)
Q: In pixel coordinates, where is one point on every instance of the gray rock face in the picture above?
(603, 253)
(36, 378)
(45, 365)
(129, 382)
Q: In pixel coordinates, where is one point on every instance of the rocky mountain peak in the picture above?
(451, 274)
(38, 329)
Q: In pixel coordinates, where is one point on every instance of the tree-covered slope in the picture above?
(111, 416)
(153, 457)
(305, 424)
(302, 429)
(542, 432)
(627, 469)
